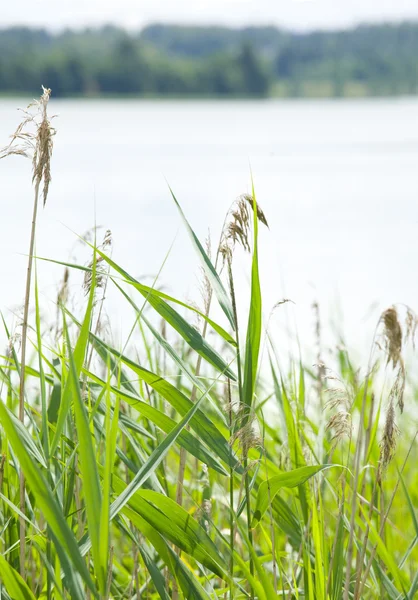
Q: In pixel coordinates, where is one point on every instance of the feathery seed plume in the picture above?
(238, 224)
(340, 421)
(34, 138)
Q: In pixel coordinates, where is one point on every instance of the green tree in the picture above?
(256, 80)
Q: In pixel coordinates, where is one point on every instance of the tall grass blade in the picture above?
(269, 488)
(16, 587)
(88, 467)
(220, 292)
(45, 432)
(252, 346)
(78, 357)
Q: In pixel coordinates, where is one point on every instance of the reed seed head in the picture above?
(388, 442)
(392, 333)
(281, 302)
(411, 324)
(14, 343)
(260, 215)
(247, 436)
(205, 287)
(238, 226)
(100, 275)
(101, 270)
(394, 341)
(107, 240)
(63, 291)
(340, 422)
(34, 138)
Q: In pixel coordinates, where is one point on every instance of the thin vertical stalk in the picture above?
(48, 574)
(183, 452)
(183, 459)
(334, 545)
(136, 576)
(88, 594)
(2, 461)
(360, 557)
(231, 500)
(39, 144)
(245, 450)
(383, 521)
(248, 510)
(22, 522)
(109, 574)
(272, 532)
(365, 541)
(354, 491)
(357, 455)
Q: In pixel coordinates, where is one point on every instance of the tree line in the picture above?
(167, 60)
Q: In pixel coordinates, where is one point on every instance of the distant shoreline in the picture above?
(164, 61)
(203, 98)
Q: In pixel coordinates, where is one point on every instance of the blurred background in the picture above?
(318, 99)
(221, 48)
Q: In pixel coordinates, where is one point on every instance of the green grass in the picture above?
(273, 505)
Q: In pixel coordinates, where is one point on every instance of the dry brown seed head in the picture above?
(392, 332)
(411, 324)
(34, 137)
(107, 240)
(238, 224)
(100, 275)
(394, 342)
(63, 291)
(388, 443)
(205, 287)
(247, 437)
(163, 328)
(284, 301)
(260, 215)
(14, 343)
(398, 387)
(340, 422)
(207, 507)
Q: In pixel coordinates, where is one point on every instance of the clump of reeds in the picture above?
(105, 459)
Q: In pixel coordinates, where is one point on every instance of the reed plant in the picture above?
(187, 463)
(32, 138)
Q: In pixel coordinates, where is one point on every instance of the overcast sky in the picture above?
(295, 14)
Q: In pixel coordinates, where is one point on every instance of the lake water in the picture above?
(337, 181)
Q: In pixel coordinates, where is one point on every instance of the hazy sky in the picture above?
(299, 14)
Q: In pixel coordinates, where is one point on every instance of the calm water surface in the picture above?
(337, 181)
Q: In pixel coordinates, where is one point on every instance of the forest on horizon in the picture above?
(190, 61)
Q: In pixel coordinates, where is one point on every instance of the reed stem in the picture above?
(22, 491)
